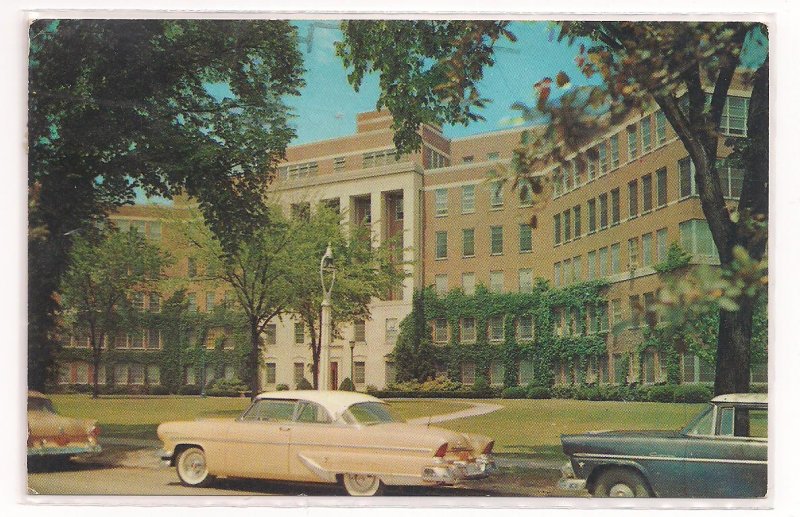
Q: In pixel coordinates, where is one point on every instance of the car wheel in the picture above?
(362, 485)
(620, 483)
(192, 468)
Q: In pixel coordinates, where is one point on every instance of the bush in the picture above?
(227, 388)
(189, 389)
(371, 389)
(282, 387)
(692, 393)
(758, 388)
(562, 391)
(158, 390)
(304, 384)
(481, 388)
(537, 392)
(587, 393)
(661, 393)
(347, 385)
(514, 392)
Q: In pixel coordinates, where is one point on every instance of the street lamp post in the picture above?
(352, 349)
(325, 266)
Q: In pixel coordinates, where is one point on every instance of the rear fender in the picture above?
(596, 468)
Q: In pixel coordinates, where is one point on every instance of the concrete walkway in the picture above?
(476, 409)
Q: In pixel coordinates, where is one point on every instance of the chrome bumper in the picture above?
(46, 450)
(568, 480)
(166, 457)
(454, 472)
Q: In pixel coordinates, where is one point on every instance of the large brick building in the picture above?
(611, 212)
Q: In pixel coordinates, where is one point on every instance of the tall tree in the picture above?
(640, 63)
(364, 271)
(103, 274)
(160, 106)
(260, 271)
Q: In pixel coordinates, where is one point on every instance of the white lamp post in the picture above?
(325, 265)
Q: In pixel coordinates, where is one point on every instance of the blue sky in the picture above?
(328, 105)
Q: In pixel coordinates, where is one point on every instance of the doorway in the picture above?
(334, 375)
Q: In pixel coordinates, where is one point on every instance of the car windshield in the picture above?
(40, 404)
(702, 424)
(370, 413)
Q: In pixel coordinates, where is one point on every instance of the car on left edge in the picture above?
(57, 436)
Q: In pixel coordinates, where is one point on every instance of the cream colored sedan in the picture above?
(326, 437)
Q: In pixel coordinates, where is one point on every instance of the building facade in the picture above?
(609, 212)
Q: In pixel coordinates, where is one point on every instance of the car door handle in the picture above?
(284, 428)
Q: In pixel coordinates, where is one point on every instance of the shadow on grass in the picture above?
(538, 452)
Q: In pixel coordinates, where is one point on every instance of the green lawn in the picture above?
(139, 417)
(533, 427)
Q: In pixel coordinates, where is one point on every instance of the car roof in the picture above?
(742, 398)
(334, 401)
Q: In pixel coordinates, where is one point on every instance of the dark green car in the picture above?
(721, 453)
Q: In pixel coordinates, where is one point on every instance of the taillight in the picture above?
(94, 431)
(488, 448)
(441, 451)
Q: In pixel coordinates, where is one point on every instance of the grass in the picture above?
(139, 417)
(533, 428)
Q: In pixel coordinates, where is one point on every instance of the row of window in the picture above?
(495, 329)
(496, 241)
(80, 372)
(496, 198)
(496, 282)
(299, 333)
(195, 376)
(607, 261)
(150, 229)
(147, 339)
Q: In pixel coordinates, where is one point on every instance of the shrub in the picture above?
(662, 393)
(537, 392)
(347, 385)
(692, 393)
(758, 388)
(371, 389)
(514, 392)
(481, 388)
(158, 390)
(562, 391)
(587, 393)
(282, 387)
(304, 384)
(189, 389)
(227, 388)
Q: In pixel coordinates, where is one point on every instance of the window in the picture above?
(576, 173)
(440, 331)
(591, 265)
(496, 194)
(525, 193)
(339, 163)
(614, 141)
(468, 159)
(633, 198)
(577, 272)
(686, 173)
(650, 315)
(468, 283)
(661, 128)
(621, 368)
(137, 301)
(271, 334)
(496, 373)
(154, 302)
(209, 301)
(136, 374)
(576, 216)
(153, 338)
(661, 245)
(734, 116)
(647, 193)
(526, 372)
(566, 272)
(493, 156)
(496, 240)
(155, 231)
(661, 187)
(301, 211)
(299, 372)
(383, 157)
(758, 373)
(189, 375)
(191, 268)
(398, 207)
(634, 305)
(603, 211)
(468, 373)
(300, 170)
(557, 274)
(120, 373)
(436, 160)
(359, 372)
(299, 333)
(556, 229)
(592, 165)
(525, 327)
(441, 285)
(602, 158)
(590, 206)
(468, 334)
(136, 339)
(730, 178)
(633, 142)
(391, 372)
(496, 328)
(468, 242)
(270, 373)
(647, 249)
(467, 199)
(647, 141)
(526, 281)
(441, 245)
(440, 196)
(525, 238)
(602, 260)
(695, 369)
(633, 253)
(649, 367)
(615, 263)
(391, 331)
(496, 281)
(359, 331)
(696, 238)
(615, 206)
(567, 225)
(558, 187)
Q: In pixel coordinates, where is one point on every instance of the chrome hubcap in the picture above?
(621, 490)
(362, 483)
(194, 467)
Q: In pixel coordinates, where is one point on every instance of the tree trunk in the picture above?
(96, 352)
(733, 349)
(315, 350)
(253, 357)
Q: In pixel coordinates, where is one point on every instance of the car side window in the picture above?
(311, 413)
(270, 410)
(726, 421)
